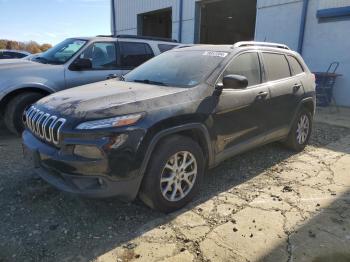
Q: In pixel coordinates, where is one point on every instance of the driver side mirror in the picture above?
(81, 64)
(235, 82)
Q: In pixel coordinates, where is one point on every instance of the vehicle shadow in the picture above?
(44, 224)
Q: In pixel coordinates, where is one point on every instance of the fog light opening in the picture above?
(91, 152)
(118, 141)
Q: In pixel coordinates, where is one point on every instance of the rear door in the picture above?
(285, 90)
(133, 54)
(103, 56)
(240, 113)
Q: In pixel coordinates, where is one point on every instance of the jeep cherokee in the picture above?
(153, 133)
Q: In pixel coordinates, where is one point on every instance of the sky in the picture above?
(51, 21)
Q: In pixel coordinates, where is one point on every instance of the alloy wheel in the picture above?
(178, 176)
(303, 129)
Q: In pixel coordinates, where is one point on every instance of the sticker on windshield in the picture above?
(213, 53)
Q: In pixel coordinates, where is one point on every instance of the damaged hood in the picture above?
(112, 98)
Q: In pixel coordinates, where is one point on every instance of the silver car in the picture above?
(73, 62)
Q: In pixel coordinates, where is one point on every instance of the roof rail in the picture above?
(148, 38)
(266, 44)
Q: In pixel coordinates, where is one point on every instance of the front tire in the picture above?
(300, 133)
(15, 108)
(174, 174)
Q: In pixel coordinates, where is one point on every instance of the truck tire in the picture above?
(15, 108)
(300, 133)
(173, 175)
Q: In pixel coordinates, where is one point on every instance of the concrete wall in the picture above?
(127, 10)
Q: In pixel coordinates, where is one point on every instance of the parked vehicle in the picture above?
(12, 54)
(74, 62)
(156, 132)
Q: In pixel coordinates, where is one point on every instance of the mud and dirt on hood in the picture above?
(110, 98)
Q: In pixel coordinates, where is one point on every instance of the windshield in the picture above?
(62, 52)
(177, 68)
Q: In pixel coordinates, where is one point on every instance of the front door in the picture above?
(240, 113)
(103, 56)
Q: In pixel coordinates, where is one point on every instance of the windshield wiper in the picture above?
(147, 81)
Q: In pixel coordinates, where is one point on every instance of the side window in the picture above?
(295, 65)
(19, 55)
(276, 66)
(164, 47)
(247, 65)
(133, 54)
(102, 55)
(9, 55)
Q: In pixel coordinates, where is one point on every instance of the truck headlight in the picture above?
(118, 121)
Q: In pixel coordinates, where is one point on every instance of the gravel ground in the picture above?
(40, 223)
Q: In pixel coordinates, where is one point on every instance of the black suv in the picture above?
(153, 133)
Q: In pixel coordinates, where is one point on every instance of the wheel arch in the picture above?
(309, 104)
(7, 98)
(196, 131)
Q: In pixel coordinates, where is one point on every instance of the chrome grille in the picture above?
(43, 125)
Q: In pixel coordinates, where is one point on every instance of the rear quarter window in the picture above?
(133, 54)
(276, 65)
(295, 65)
(164, 47)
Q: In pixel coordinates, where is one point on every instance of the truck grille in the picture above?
(43, 125)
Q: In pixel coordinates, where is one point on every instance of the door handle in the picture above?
(262, 95)
(296, 87)
(111, 76)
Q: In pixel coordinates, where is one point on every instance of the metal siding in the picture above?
(127, 11)
(327, 42)
(270, 3)
(324, 4)
(279, 23)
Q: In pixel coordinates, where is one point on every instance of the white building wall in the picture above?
(277, 21)
(127, 10)
(324, 42)
(323, 4)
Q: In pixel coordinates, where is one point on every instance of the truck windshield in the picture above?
(177, 68)
(62, 52)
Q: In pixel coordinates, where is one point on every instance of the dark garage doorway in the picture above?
(225, 21)
(157, 23)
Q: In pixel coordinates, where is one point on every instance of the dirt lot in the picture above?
(265, 205)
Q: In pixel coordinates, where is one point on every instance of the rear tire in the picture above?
(177, 164)
(300, 133)
(15, 108)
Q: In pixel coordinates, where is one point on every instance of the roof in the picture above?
(126, 37)
(240, 46)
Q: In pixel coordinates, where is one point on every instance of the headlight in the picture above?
(118, 121)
